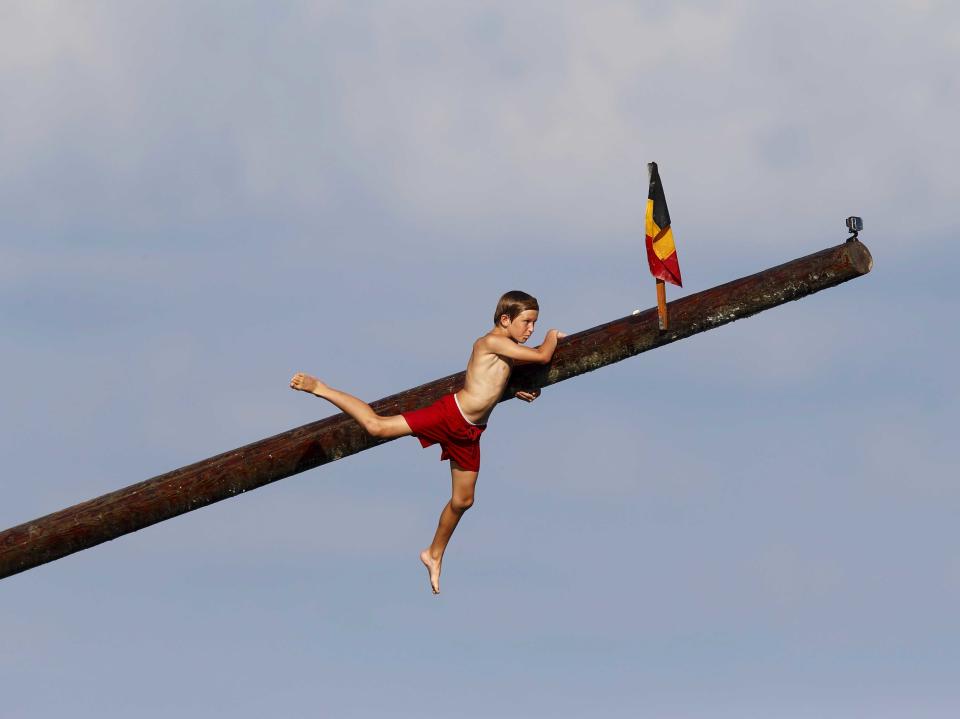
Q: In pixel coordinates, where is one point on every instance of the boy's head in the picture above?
(511, 306)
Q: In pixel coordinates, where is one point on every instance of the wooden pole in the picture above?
(664, 321)
(297, 450)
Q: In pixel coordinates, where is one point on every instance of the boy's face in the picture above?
(521, 327)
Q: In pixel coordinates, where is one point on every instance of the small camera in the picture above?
(855, 225)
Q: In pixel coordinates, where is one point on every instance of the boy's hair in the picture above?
(512, 304)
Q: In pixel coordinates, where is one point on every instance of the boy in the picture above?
(456, 421)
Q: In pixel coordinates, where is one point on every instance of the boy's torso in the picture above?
(487, 376)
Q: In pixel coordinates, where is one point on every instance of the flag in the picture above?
(661, 252)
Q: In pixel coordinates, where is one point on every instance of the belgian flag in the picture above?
(661, 252)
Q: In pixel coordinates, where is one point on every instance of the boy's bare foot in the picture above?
(306, 383)
(433, 569)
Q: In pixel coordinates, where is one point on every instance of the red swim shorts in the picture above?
(442, 423)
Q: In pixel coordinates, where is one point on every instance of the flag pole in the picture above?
(662, 305)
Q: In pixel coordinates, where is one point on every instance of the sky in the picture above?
(198, 199)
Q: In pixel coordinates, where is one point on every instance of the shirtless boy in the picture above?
(456, 421)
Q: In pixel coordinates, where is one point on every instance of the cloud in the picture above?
(196, 203)
(492, 122)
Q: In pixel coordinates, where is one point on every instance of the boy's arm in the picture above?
(559, 336)
(524, 355)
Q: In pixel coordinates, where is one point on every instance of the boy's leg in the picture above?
(464, 482)
(373, 423)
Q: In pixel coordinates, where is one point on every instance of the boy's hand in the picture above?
(528, 396)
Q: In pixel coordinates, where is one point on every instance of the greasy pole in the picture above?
(126, 510)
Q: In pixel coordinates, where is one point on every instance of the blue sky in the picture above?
(199, 199)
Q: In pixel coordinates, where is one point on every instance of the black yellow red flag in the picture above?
(661, 252)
